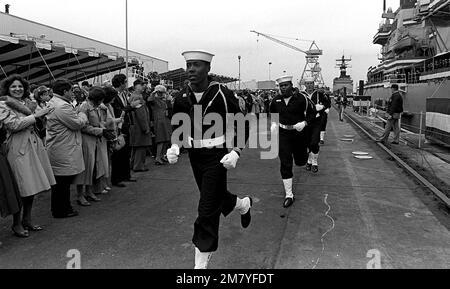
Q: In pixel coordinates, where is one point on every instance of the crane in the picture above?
(312, 68)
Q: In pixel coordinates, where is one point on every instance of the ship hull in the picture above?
(432, 99)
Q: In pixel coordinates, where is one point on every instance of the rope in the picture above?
(29, 63)
(85, 76)
(1, 67)
(43, 59)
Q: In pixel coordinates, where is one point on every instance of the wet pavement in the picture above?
(346, 216)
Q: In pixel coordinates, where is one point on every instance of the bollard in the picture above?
(420, 130)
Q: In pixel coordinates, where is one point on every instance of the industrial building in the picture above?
(47, 52)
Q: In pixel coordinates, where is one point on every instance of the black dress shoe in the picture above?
(308, 167)
(288, 202)
(322, 142)
(395, 143)
(130, 180)
(247, 218)
(67, 215)
(25, 233)
(32, 228)
(315, 169)
(119, 185)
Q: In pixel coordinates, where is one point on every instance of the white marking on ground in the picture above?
(322, 239)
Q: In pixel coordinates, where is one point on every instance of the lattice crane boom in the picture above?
(279, 42)
(312, 68)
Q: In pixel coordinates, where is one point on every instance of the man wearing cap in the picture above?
(320, 101)
(295, 113)
(210, 159)
(395, 108)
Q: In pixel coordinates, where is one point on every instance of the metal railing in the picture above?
(377, 112)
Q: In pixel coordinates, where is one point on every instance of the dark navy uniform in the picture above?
(293, 144)
(210, 175)
(327, 103)
(316, 127)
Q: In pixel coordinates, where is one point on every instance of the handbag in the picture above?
(118, 143)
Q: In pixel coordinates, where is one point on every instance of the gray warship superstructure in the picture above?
(415, 55)
(343, 83)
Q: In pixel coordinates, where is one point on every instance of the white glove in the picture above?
(327, 111)
(173, 153)
(273, 128)
(230, 160)
(300, 126)
(319, 107)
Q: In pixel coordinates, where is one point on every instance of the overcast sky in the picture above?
(166, 28)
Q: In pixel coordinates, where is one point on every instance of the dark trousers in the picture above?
(324, 122)
(341, 111)
(211, 178)
(61, 196)
(138, 157)
(120, 165)
(392, 124)
(313, 135)
(292, 149)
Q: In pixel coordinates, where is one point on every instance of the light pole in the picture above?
(126, 38)
(270, 74)
(239, 58)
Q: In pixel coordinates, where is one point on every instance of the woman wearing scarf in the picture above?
(25, 151)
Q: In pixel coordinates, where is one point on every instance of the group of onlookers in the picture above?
(90, 137)
(257, 102)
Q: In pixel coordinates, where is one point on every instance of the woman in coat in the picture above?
(163, 128)
(140, 134)
(10, 202)
(25, 151)
(95, 149)
(112, 129)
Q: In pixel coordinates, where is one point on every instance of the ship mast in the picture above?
(343, 63)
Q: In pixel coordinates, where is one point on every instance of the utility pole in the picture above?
(270, 74)
(126, 38)
(239, 58)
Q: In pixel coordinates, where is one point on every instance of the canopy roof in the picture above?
(44, 62)
(179, 76)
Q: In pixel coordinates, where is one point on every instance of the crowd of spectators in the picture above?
(83, 137)
(257, 102)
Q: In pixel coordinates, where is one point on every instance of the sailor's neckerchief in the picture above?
(210, 86)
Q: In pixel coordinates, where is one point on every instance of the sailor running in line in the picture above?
(314, 130)
(210, 159)
(295, 114)
(323, 131)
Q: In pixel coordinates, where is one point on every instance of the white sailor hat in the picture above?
(284, 79)
(308, 79)
(198, 55)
